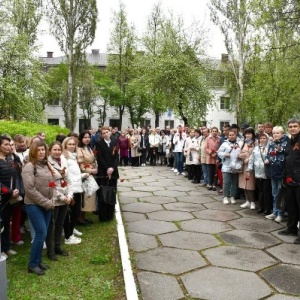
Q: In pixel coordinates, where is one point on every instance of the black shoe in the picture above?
(214, 188)
(267, 212)
(88, 221)
(61, 252)
(259, 211)
(82, 223)
(36, 270)
(52, 256)
(287, 232)
(44, 266)
(297, 241)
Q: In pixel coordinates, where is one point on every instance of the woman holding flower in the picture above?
(37, 176)
(276, 161)
(62, 189)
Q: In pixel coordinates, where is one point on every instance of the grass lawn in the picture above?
(92, 270)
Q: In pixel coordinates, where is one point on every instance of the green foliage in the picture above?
(31, 129)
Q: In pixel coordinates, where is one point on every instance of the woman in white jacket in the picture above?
(75, 177)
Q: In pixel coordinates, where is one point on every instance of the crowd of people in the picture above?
(44, 184)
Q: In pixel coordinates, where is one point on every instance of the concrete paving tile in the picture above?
(127, 200)
(140, 207)
(239, 258)
(188, 240)
(178, 188)
(136, 194)
(183, 206)
(132, 217)
(127, 183)
(169, 260)
(169, 215)
(251, 213)
(196, 199)
(285, 238)
(282, 297)
(124, 189)
(218, 284)
(261, 225)
(158, 199)
(244, 238)
(153, 227)
(285, 278)
(216, 215)
(170, 193)
(141, 242)
(287, 253)
(148, 188)
(158, 286)
(220, 206)
(205, 226)
(146, 180)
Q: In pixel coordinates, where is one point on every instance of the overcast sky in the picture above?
(137, 14)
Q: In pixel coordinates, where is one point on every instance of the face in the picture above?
(41, 153)
(263, 140)
(277, 135)
(71, 146)
(43, 136)
(20, 145)
(294, 129)
(225, 131)
(249, 136)
(86, 139)
(5, 147)
(55, 151)
(106, 134)
(260, 127)
(12, 147)
(205, 133)
(196, 134)
(268, 129)
(214, 132)
(231, 136)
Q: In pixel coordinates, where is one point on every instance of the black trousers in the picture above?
(212, 174)
(143, 156)
(6, 212)
(105, 211)
(153, 156)
(197, 172)
(264, 194)
(293, 207)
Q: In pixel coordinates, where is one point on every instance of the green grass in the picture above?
(93, 269)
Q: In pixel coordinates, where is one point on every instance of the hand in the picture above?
(94, 171)
(15, 193)
(86, 175)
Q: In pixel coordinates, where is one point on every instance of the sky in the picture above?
(138, 12)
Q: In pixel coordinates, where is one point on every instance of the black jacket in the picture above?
(292, 166)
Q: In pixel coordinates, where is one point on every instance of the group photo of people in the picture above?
(50, 189)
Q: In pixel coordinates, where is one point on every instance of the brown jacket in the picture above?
(36, 184)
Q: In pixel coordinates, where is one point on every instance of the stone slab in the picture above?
(218, 283)
(153, 227)
(205, 226)
(239, 258)
(182, 188)
(220, 206)
(169, 215)
(284, 278)
(132, 217)
(159, 199)
(124, 188)
(244, 238)
(148, 188)
(287, 253)
(182, 206)
(170, 193)
(261, 225)
(169, 260)
(159, 286)
(216, 215)
(188, 240)
(198, 199)
(127, 200)
(136, 194)
(283, 297)
(141, 242)
(140, 207)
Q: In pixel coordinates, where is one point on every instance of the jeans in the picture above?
(230, 184)
(39, 218)
(205, 173)
(276, 184)
(179, 161)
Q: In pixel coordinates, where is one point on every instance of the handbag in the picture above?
(14, 200)
(90, 186)
(281, 197)
(108, 194)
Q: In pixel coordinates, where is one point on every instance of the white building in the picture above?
(218, 113)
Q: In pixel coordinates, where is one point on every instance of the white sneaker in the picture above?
(172, 169)
(271, 217)
(225, 200)
(245, 205)
(4, 254)
(178, 173)
(232, 200)
(19, 243)
(11, 252)
(278, 219)
(252, 205)
(77, 232)
(175, 171)
(182, 173)
(72, 240)
(44, 245)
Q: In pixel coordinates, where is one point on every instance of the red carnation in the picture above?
(95, 152)
(87, 166)
(247, 178)
(288, 180)
(52, 184)
(4, 190)
(63, 184)
(213, 151)
(273, 153)
(122, 179)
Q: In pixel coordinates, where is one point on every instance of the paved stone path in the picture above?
(187, 245)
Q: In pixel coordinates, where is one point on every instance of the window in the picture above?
(54, 102)
(53, 121)
(224, 103)
(145, 123)
(169, 123)
(114, 123)
(223, 123)
(84, 124)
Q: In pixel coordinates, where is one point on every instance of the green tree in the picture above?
(73, 24)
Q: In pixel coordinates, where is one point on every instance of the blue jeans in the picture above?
(179, 161)
(230, 184)
(276, 184)
(39, 218)
(205, 173)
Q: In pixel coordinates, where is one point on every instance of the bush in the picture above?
(30, 129)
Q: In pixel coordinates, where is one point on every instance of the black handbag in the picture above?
(108, 194)
(281, 198)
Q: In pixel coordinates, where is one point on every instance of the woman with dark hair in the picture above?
(124, 145)
(162, 147)
(7, 189)
(144, 145)
(37, 177)
(87, 164)
(62, 188)
(246, 178)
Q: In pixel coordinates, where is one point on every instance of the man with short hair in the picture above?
(293, 180)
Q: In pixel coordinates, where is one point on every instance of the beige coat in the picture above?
(135, 141)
